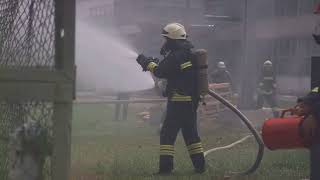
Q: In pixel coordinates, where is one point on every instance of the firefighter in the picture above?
(309, 107)
(221, 75)
(177, 69)
(266, 90)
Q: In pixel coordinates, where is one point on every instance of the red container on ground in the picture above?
(284, 133)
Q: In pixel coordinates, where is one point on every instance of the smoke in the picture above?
(105, 63)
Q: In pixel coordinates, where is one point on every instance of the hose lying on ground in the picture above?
(250, 126)
(228, 146)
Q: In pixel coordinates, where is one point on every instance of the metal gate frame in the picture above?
(58, 85)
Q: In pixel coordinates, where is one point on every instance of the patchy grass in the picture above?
(3, 160)
(105, 150)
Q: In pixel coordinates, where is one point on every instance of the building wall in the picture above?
(283, 33)
(151, 15)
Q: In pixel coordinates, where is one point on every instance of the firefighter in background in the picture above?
(177, 69)
(309, 107)
(266, 90)
(221, 74)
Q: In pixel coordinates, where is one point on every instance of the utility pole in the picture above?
(249, 62)
(315, 73)
(186, 13)
(243, 96)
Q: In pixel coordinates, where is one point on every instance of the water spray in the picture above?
(104, 62)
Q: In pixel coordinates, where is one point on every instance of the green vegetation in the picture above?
(105, 150)
(3, 160)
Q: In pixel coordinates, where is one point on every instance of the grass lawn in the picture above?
(105, 150)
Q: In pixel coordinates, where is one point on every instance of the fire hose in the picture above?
(250, 126)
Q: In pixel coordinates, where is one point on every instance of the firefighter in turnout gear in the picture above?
(267, 88)
(221, 75)
(178, 69)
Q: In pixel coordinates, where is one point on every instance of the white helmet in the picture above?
(221, 64)
(174, 31)
(267, 63)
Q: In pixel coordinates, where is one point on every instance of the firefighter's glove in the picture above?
(156, 60)
(143, 61)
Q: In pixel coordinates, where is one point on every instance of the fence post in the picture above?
(64, 92)
(117, 109)
(125, 107)
(62, 140)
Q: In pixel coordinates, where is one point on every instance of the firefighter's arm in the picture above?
(164, 69)
(229, 78)
(259, 88)
(144, 61)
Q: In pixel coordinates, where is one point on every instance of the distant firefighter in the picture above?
(267, 86)
(221, 74)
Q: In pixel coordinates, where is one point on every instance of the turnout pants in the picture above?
(271, 101)
(180, 115)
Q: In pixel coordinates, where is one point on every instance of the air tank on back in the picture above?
(201, 64)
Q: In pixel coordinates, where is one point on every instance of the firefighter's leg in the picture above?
(315, 162)
(260, 100)
(190, 134)
(273, 104)
(168, 136)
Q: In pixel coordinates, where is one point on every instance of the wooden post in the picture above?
(117, 112)
(117, 109)
(125, 111)
(125, 107)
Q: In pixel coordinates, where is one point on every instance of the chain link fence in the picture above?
(27, 40)
(27, 33)
(13, 116)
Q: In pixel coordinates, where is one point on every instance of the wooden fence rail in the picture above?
(209, 111)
